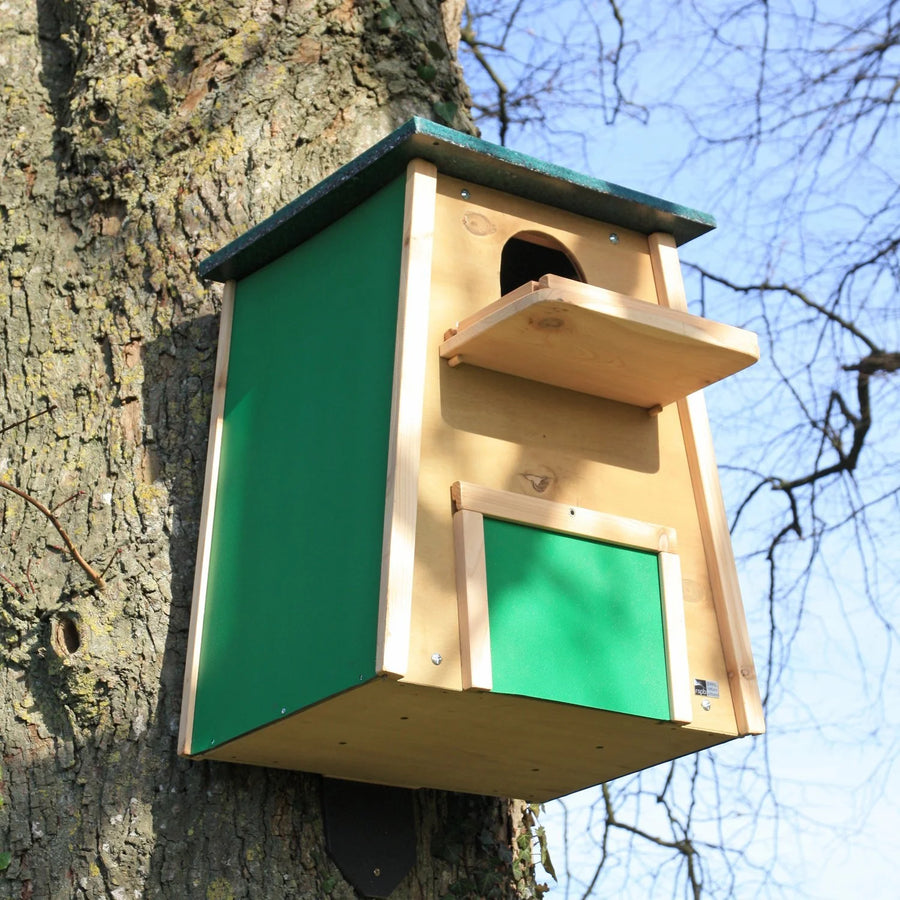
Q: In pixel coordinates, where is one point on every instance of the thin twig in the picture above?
(470, 39)
(67, 500)
(111, 560)
(846, 461)
(802, 296)
(43, 412)
(28, 575)
(15, 587)
(91, 573)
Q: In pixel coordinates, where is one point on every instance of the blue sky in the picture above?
(793, 215)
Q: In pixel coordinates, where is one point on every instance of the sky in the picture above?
(834, 723)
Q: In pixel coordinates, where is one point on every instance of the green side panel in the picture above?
(292, 603)
(575, 620)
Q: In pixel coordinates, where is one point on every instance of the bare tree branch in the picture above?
(802, 296)
(73, 550)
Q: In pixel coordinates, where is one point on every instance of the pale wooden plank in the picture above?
(207, 515)
(672, 595)
(398, 554)
(471, 589)
(711, 510)
(391, 732)
(597, 341)
(667, 272)
(564, 518)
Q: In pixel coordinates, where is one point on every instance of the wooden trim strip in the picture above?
(471, 592)
(681, 708)
(563, 518)
(410, 357)
(711, 509)
(207, 515)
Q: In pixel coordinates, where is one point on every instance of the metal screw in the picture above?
(283, 710)
(436, 658)
(613, 238)
(464, 194)
(376, 871)
(571, 512)
(706, 705)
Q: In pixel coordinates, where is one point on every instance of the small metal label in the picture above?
(706, 688)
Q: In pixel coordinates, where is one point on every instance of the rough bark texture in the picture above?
(135, 138)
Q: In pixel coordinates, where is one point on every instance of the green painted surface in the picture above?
(575, 620)
(292, 603)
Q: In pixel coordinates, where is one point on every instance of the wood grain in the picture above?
(392, 732)
(589, 339)
(398, 555)
(471, 589)
(672, 596)
(563, 517)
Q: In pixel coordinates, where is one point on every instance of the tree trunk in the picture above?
(137, 138)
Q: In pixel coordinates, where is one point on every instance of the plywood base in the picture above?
(389, 732)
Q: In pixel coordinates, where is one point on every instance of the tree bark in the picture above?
(135, 139)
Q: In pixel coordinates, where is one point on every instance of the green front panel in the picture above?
(292, 604)
(575, 620)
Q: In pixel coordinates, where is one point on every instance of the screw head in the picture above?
(613, 238)
(283, 710)
(464, 194)
(436, 658)
(706, 705)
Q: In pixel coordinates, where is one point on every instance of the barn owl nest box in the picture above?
(462, 524)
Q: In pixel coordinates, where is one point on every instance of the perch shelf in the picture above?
(595, 341)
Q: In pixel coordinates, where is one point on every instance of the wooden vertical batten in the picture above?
(713, 520)
(410, 356)
(204, 538)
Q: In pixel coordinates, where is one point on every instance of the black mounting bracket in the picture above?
(370, 833)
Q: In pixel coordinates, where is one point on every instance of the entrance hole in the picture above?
(529, 255)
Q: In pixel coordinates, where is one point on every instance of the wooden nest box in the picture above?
(456, 541)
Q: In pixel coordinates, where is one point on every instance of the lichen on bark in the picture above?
(135, 139)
